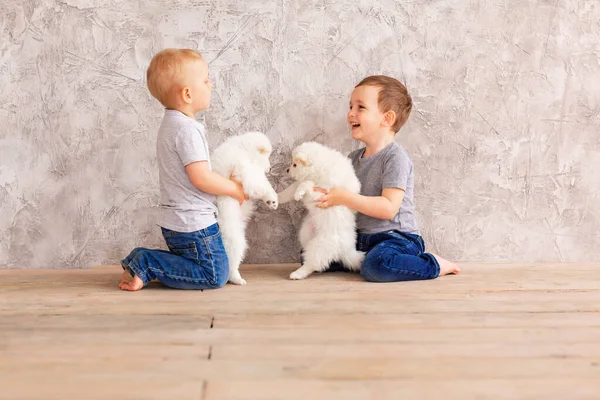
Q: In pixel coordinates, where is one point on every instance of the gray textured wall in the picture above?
(504, 134)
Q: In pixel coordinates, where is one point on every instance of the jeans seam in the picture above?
(404, 271)
(436, 263)
(421, 243)
(211, 258)
(180, 278)
(206, 235)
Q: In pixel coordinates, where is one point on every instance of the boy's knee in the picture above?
(369, 269)
(221, 273)
(135, 252)
(370, 275)
(377, 262)
(221, 281)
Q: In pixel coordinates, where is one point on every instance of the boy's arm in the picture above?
(384, 207)
(191, 148)
(210, 182)
(397, 168)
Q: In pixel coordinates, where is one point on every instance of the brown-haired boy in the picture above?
(387, 228)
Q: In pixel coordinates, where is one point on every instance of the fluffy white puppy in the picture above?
(326, 235)
(245, 158)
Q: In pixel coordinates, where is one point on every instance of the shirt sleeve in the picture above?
(190, 146)
(397, 168)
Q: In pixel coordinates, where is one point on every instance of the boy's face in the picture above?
(199, 84)
(365, 118)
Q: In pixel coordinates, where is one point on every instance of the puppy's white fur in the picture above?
(326, 235)
(245, 158)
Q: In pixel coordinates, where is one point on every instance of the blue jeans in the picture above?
(394, 256)
(196, 260)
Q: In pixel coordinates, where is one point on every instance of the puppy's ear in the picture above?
(301, 158)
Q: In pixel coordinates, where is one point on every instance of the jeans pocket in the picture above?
(167, 233)
(399, 236)
(216, 252)
(211, 231)
(184, 249)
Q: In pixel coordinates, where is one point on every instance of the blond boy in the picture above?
(196, 259)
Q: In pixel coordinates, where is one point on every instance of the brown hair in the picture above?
(166, 69)
(392, 96)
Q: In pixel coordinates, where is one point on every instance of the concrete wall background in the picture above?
(504, 134)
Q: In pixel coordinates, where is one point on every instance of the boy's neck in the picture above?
(188, 111)
(375, 145)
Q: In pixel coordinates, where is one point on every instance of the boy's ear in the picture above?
(186, 95)
(301, 158)
(389, 118)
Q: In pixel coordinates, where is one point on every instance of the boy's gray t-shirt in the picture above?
(183, 207)
(389, 168)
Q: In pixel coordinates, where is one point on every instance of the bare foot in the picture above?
(447, 267)
(132, 285)
(125, 278)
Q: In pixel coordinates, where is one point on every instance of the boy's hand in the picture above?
(239, 195)
(333, 197)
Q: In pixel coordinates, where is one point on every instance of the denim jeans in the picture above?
(195, 260)
(394, 256)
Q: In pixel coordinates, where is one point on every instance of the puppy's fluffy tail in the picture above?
(353, 260)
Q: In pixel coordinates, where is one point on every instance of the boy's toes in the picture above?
(126, 277)
(132, 286)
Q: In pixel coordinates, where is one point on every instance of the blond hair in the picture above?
(166, 71)
(393, 96)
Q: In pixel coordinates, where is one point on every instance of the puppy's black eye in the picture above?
(294, 165)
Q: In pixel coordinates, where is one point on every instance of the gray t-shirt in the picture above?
(183, 207)
(391, 167)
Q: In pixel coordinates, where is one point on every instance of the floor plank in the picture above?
(492, 389)
(497, 331)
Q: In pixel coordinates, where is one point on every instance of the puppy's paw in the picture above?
(272, 204)
(272, 201)
(300, 273)
(299, 194)
(296, 276)
(236, 278)
(303, 189)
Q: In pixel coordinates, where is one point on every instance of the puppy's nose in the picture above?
(288, 170)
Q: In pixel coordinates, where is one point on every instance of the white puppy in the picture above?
(245, 158)
(326, 235)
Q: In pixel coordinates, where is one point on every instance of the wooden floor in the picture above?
(497, 331)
